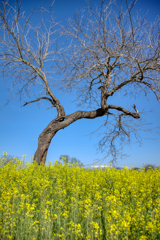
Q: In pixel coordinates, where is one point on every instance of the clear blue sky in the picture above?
(20, 126)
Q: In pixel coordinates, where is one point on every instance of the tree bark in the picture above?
(54, 126)
(44, 140)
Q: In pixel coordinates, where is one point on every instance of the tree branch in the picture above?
(38, 99)
(134, 106)
(11, 32)
(150, 86)
(132, 79)
(126, 112)
(121, 124)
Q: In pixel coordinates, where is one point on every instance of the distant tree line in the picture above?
(8, 159)
(146, 167)
(62, 158)
(67, 159)
(150, 166)
(72, 160)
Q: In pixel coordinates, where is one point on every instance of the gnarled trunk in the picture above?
(45, 138)
(54, 126)
(44, 141)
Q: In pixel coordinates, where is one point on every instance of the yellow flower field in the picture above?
(64, 202)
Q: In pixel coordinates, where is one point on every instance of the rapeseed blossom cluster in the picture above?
(70, 202)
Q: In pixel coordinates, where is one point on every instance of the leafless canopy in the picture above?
(107, 49)
(26, 47)
(112, 50)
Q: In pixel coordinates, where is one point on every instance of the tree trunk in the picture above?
(54, 126)
(44, 140)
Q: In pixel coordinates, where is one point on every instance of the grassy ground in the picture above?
(63, 202)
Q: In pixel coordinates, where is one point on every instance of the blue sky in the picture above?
(20, 126)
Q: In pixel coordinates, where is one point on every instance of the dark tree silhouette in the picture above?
(107, 50)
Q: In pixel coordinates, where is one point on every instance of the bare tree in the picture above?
(108, 50)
